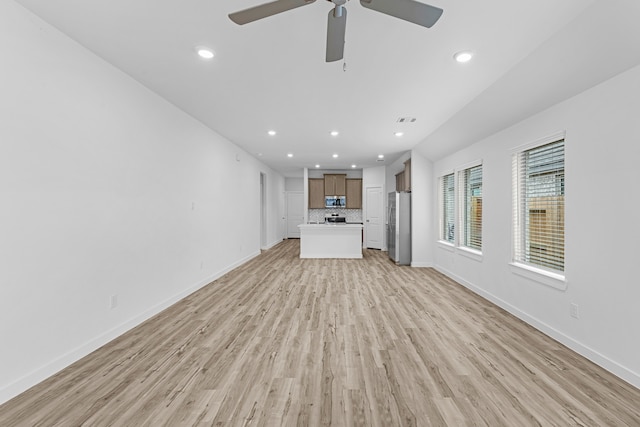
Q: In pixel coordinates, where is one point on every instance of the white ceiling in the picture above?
(271, 74)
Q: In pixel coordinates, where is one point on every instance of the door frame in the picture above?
(287, 194)
(382, 216)
(263, 210)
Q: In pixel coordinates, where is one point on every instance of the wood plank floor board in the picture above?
(282, 341)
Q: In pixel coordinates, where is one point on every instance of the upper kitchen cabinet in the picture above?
(316, 193)
(407, 175)
(354, 193)
(335, 184)
(400, 181)
(403, 179)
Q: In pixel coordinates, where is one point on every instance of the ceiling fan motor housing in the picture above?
(337, 12)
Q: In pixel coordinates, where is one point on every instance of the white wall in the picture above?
(602, 228)
(373, 177)
(395, 168)
(275, 206)
(422, 212)
(351, 173)
(293, 184)
(106, 190)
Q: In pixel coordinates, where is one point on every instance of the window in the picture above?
(447, 209)
(470, 185)
(538, 177)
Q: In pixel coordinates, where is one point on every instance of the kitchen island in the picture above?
(330, 240)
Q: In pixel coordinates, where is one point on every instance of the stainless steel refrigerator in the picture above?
(399, 227)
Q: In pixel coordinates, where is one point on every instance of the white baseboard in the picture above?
(314, 255)
(599, 359)
(272, 244)
(40, 374)
(422, 264)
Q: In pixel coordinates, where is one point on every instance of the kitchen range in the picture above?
(335, 219)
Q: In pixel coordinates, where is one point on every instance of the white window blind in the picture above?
(447, 208)
(470, 185)
(538, 196)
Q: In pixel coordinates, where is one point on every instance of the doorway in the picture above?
(294, 213)
(373, 218)
(263, 210)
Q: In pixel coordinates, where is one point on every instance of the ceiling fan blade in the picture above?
(409, 10)
(336, 29)
(265, 10)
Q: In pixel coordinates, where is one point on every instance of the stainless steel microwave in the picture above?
(335, 201)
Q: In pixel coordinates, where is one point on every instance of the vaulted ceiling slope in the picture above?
(271, 74)
(600, 43)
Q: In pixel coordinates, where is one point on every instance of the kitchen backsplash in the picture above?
(352, 215)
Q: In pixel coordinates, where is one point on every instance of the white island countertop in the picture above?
(324, 225)
(330, 240)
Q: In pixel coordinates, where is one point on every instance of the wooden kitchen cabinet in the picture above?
(354, 193)
(407, 175)
(316, 193)
(403, 179)
(335, 184)
(400, 181)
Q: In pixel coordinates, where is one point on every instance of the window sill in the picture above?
(548, 278)
(473, 254)
(442, 244)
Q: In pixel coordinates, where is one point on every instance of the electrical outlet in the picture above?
(574, 311)
(193, 206)
(113, 301)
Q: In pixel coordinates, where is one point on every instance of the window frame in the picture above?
(541, 274)
(469, 251)
(454, 246)
(441, 209)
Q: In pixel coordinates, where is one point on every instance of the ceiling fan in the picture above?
(409, 10)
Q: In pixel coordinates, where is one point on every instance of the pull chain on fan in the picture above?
(409, 10)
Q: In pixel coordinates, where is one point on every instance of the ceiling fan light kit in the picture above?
(409, 10)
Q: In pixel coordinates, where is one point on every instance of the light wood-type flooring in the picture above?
(282, 341)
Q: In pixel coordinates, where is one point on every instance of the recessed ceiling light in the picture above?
(353, 166)
(317, 166)
(334, 133)
(272, 132)
(205, 52)
(399, 134)
(335, 156)
(381, 156)
(464, 56)
(290, 155)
